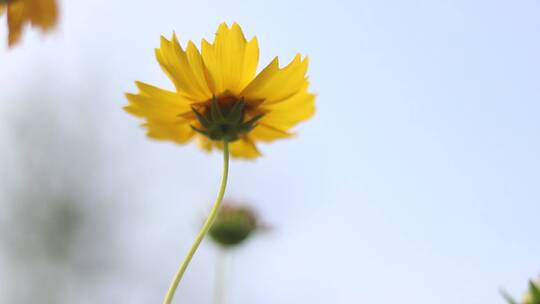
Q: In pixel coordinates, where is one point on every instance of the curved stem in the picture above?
(207, 224)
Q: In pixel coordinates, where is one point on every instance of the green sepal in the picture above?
(215, 111)
(237, 112)
(218, 123)
(201, 118)
(203, 132)
(250, 124)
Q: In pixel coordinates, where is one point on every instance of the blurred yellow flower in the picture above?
(39, 13)
(223, 75)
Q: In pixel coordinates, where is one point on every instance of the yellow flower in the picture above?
(38, 13)
(223, 73)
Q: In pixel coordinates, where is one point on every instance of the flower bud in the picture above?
(532, 296)
(233, 226)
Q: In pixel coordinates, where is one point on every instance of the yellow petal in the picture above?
(15, 19)
(289, 112)
(185, 71)
(155, 103)
(251, 61)
(205, 143)
(274, 85)
(241, 148)
(179, 132)
(268, 133)
(230, 59)
(244, 148)
(43, 13)
(199, 70)
(2, 9)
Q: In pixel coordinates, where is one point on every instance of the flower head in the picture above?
(219, 95)
(39, 13)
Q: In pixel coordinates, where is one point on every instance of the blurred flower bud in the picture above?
(533, 294)
(233, 226)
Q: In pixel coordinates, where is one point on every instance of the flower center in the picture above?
(224, 120)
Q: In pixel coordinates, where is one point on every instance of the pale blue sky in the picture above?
(416, 182)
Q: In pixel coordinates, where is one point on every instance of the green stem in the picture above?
(207, 224)
(221, 274)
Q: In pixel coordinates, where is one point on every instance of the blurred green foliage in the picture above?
(53, 226)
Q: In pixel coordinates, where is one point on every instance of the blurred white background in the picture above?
(416, 182)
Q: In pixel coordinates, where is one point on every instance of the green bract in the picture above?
(224, 123)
